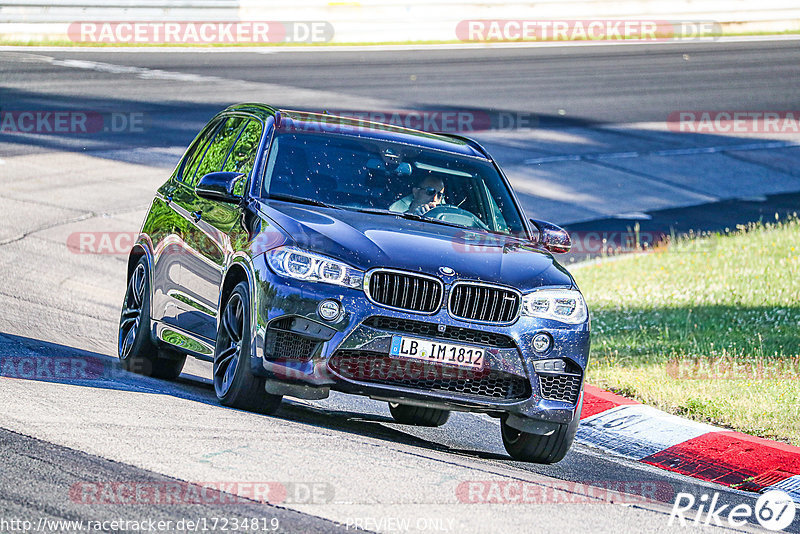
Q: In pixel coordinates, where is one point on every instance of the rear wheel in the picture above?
(417, 415)
(234, 383)
(539, 449)
(136, 350)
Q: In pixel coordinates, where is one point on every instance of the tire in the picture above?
(534, 448)
(417, 415)
(234, 383)
(136, 350)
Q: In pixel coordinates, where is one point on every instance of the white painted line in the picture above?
(670, 152)
(390, 47)
(616, 155)
(791, 486)
(579, 157)
(635, 215)
(710, 150)
(687, 151)
(553, 159)
(637, 431)
(2, 162)
(141, 72)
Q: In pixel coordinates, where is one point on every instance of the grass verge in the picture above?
(707, 328)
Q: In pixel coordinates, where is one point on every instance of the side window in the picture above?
(218, 150)
(197, 150)
(243, 155)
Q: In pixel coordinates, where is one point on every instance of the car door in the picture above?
(168, 228)
(212, 223)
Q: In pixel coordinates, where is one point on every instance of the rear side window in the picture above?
(218, 149)
(243, 155)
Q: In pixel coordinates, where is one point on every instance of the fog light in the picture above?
(542, 342)
(330, 310)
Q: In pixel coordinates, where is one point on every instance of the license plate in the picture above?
(436, 352)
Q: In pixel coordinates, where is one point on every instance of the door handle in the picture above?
(197, 215)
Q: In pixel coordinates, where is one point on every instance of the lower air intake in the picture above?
(559, 387)
(364, 366)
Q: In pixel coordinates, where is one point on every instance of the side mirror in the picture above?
(220, 186)
(552, 237)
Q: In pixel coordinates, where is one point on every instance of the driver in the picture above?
(428, 194)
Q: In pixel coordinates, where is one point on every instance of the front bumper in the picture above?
(293, 344)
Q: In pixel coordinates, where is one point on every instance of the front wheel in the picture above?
(137, 352)
(234, 383)
(539, 449)
(417, 415)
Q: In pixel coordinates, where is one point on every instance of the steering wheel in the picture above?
(455, 215)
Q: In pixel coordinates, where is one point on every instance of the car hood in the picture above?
(366, 241)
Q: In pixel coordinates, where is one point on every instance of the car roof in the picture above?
(301, 121)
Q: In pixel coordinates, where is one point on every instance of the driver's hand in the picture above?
(425, 208)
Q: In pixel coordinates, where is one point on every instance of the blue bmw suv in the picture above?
(301, 253)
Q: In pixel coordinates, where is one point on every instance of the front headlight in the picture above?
(565, 305)
(303, 265)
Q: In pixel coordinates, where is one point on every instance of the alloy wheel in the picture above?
(231, 333)
(132, 312)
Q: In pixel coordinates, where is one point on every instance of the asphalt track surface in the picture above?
(116, 427)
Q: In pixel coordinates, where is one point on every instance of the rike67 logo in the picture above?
(774, 510)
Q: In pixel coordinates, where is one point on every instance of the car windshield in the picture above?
(381, 176)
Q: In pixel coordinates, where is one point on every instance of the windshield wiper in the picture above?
(378, 211)
(302, 200)
(411, 216)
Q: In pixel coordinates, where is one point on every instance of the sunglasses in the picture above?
(431, 191)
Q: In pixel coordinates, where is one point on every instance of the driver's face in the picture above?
(430, 191)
